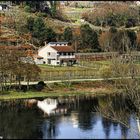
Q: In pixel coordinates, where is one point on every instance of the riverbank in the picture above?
(63, 89)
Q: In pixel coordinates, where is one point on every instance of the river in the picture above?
(75, 118)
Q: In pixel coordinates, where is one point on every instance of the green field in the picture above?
(62, 73)
(75, 13)
(85, 69)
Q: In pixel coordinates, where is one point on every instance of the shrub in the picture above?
(42, 14)
(113, 30)
(27, 9)
(128, 24)
(40, 86)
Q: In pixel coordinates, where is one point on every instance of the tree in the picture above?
(54, 5)
(138, 41)
(119, 14)
(34, 6)
(132, 36)
(39, 30)
(89, 38)
(68, 36)
(30, 24)
(124, 66)
(15, 64)
(31, 72)
(104, 41)
(50, 34)
(27, 9)
(41, 33)
(115, 41)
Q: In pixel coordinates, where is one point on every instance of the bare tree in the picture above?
(125, 67)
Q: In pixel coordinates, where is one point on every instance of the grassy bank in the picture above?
(63, 89)
(28, 95)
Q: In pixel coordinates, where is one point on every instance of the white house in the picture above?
(4, 7)
(137, 3)
(1, 8)
(57, 53)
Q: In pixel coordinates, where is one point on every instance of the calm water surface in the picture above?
(80, 121)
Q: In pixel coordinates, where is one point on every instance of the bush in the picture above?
(40, 86)
(27, 9)
(24, 88)
(42, 14)
(128, 24)
(113, 30)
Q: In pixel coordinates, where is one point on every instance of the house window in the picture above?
(49, 53)
(64, 53)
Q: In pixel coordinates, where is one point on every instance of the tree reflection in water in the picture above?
(115, 125)
(124, 132)
(20, 124)
(85, 114)
(50, 128)
(106, 127)
(23, 123)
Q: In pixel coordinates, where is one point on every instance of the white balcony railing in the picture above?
(66, 56)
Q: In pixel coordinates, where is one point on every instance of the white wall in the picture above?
(44, 53)
(38, 61)
(54, 62)
(0, 8)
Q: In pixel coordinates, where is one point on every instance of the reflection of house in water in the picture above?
(51, 106)
(74, 118)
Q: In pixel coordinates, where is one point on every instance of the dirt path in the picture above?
(75, 80)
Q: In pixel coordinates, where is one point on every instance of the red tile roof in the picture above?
(63, 48)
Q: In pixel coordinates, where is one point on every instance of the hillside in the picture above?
(16, 23)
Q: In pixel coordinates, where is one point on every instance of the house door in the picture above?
(49, 61)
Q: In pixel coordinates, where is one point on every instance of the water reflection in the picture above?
(48, 106)
(106, 127)
(50, 128)
(20, 124)
(80, 121)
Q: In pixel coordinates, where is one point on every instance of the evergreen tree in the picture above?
(39, 29)
(89, 38)
(30, 24)
(51, 35)
(68, 36)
